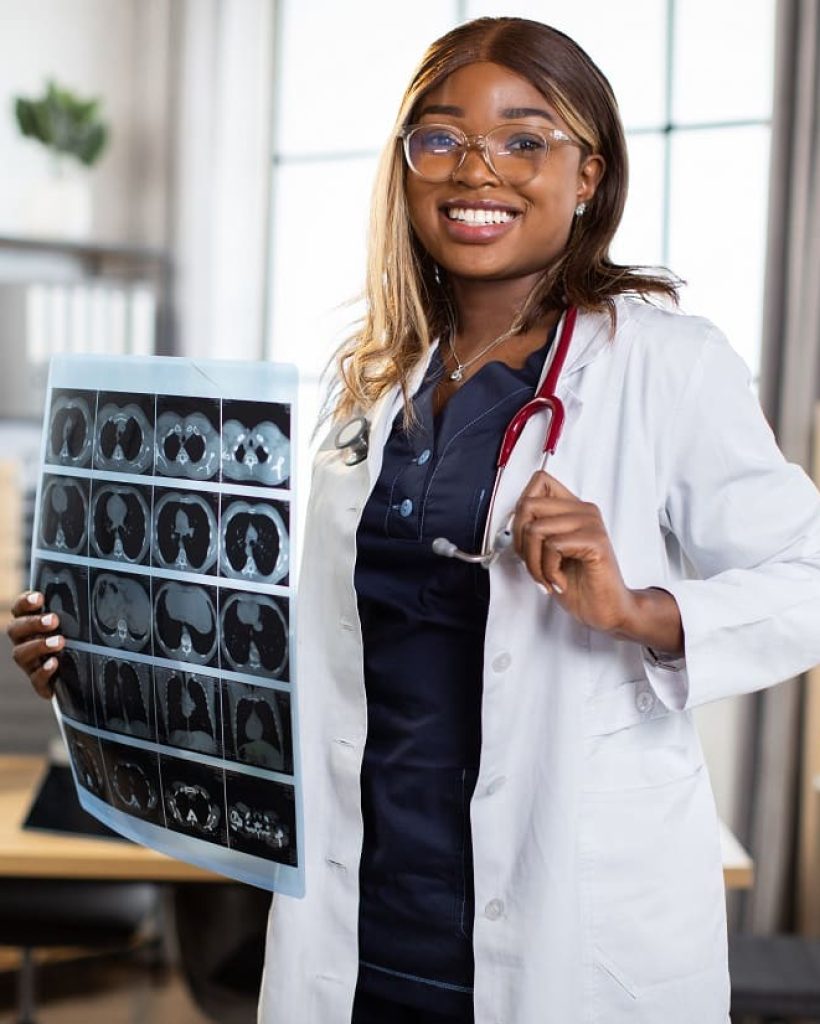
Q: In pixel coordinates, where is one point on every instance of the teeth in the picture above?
(472, 216)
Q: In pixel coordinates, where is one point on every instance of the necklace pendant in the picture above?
(457, 374)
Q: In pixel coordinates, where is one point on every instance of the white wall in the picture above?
(114, 49)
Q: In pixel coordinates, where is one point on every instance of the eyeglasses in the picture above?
(514, 153)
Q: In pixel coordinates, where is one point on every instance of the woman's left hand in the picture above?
(565, 546)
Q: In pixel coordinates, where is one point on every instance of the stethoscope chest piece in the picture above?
(354, 436)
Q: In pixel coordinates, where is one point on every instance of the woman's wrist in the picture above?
(652, 619)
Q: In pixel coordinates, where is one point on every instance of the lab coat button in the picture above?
(495, 785)
(494, 910)
(406, 508)
(501, 662)
(645, 701)
(424, 456)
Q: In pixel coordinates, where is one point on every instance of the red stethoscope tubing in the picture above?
(544, 398)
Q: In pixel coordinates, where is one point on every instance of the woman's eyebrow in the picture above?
(509, 114)
(513, 113)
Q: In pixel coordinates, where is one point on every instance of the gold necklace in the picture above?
(458, 373)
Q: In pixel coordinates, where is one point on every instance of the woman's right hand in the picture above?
(32, 631)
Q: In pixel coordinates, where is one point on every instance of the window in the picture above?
(694, 84)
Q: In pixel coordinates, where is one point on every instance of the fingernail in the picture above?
(557, 589)
(33, 597)
(544, 589)
(53, 641)
(47, 620)
(50, 664)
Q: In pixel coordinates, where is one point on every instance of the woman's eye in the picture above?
(523, 142)
(439, 140)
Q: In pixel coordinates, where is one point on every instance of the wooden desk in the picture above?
(25, 853)
(28, 854)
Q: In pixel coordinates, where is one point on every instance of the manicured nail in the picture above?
(33, 597)
(47, 620)
(53, 641)
(557, 589)
(50, 665)
(544, 589)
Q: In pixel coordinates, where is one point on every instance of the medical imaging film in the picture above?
(163, 539)
(124, 434)
(64, 514)
(73, 686)
(194, 798)
(69, 428)
(65, 587)
(257, 726)
(187, 438)
(124, 696)
(261, 817)
(254, 540)
(133, 780)
(120, 522)
(256, 443)
(189, 710)
(86, 759)
(185, 530)
(121, 610)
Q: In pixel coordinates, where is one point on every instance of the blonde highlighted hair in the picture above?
(407, 300)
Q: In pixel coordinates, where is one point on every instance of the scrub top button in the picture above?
(494, 910)
(645, 701)
(406, 508)
(425, 455)
(501, 662)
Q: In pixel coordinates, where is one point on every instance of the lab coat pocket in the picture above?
(655, 885)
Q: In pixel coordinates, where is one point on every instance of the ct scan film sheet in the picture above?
(162, 538)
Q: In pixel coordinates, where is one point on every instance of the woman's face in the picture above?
(537, 216)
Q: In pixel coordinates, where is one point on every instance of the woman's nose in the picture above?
(475, 170)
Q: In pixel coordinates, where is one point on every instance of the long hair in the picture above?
(407, 302)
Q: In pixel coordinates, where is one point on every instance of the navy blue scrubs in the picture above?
(423, 620)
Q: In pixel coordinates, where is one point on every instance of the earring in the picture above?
(580, 209)
(437, 274)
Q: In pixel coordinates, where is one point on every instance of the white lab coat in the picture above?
(598, 881)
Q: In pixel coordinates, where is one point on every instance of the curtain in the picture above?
(789, 390)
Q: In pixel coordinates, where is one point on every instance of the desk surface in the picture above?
(26, 853)
(30, 854)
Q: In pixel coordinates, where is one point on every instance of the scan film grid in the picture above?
(163, 543)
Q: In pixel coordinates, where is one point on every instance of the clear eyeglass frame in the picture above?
(485, 145)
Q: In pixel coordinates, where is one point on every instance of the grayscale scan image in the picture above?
(65, 588)
(121, 610)
(188, 710)
(257, 726)
(254, 632)
(70, 428)
(185, 531)
(187, 438)
(133, 780)
(185, 622)
(194, 798)
(120, 522)
(86, 757)
(73, 686)
(124, 696)
(261, 817)
(256, 443)
(254, 540)
(64, 514)
(124, 435)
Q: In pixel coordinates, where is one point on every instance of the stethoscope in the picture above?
(354, 436)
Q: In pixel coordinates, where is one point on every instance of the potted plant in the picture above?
(73, 133)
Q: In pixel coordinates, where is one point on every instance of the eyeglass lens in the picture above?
(514, 152)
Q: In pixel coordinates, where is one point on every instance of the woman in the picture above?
(508, 818)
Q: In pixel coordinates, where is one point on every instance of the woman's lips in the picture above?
(477, 223)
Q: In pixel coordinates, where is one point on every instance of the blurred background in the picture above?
(218, 208)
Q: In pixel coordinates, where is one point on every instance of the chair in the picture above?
(220, 931)
(776, 978)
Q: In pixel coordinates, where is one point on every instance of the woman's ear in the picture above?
(590, 173)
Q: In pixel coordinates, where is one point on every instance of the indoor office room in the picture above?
(529, 762)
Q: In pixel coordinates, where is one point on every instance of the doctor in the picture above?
(508, 817)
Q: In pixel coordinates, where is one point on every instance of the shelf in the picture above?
(90, 251)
